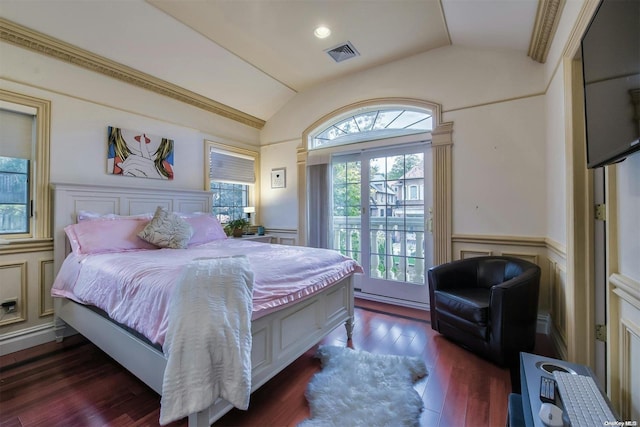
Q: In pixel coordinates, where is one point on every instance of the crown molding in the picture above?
(18, 35)
(544, 28)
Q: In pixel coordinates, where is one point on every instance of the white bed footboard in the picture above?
(279, 338)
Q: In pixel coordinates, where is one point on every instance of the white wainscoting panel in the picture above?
(551, 258)
(13, 276)
(624, 343)
(26, 273)
(45, 281)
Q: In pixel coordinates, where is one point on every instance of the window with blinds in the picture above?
(232, 178)
(25, 205)
(231, 167)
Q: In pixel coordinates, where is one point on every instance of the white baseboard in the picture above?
(27, 338)
(392, 301)
(544, 324)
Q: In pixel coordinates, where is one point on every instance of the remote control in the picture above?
(547, 389)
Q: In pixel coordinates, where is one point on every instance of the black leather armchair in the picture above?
(487, 304)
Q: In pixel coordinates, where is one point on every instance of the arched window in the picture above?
(372, 123)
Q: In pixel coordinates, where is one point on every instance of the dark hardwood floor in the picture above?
(74, 384)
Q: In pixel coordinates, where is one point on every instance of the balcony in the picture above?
(397, 250)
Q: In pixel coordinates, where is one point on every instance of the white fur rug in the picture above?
(356, 388)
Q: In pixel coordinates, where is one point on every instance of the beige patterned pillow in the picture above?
(167, 230)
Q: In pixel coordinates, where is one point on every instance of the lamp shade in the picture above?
(249, 209)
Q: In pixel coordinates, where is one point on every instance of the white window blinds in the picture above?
(17, 136)
(231, 167)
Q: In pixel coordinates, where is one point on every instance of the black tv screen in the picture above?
(611, 72)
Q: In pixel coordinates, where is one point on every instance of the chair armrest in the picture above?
(525, 277)
(518, 297)
(514, 309)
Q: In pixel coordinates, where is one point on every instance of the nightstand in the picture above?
(266, 238)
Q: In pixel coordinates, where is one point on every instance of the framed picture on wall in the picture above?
(278, 178)
(139, 154)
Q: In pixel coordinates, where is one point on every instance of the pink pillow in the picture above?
(206, 228)
(94, 237)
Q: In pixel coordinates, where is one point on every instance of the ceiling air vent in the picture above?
(342, 52)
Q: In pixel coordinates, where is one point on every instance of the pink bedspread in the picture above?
(133, 287)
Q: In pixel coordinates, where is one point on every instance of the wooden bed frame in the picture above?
(279, 337)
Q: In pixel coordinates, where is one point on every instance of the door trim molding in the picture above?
(441, 142)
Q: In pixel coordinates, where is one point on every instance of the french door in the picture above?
(381, 217)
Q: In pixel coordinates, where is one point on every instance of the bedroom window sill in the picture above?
(14, 246)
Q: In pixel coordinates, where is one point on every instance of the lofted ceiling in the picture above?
(250, 57)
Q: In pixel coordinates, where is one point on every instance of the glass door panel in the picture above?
(346, 217)
(391, 242)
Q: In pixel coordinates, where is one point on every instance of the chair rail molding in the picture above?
(500, 240)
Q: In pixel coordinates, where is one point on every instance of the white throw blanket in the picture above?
(208, 341)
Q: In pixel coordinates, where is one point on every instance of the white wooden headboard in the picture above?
(69, 199)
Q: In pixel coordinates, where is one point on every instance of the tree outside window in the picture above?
(14, 195)
(229, 200)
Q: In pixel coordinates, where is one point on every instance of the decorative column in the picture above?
(442, 213)
(301, 156)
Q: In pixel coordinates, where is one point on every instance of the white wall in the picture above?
(629, 216)
(454, 77)
(84, 103)
(278, 156)
(499, 168)
(495, 101)
(554, 137)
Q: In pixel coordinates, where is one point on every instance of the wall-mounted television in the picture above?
(611, 72)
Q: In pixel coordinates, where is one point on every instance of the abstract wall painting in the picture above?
(139, 154)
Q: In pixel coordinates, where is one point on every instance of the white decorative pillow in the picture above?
(167, 230)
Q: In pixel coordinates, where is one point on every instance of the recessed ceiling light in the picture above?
(322, 32)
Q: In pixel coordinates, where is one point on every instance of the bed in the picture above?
(281, 329)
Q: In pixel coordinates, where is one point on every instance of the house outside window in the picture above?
(411, 188)
(232, 179)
